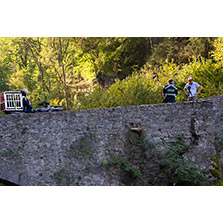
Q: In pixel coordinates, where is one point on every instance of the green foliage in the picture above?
(207, 74)
(168, 49)
(80, 73)
(146, 86)
(216, 171)
(83, 146)
(44, 66)
(5, 64)
(13, 153)
(128, 167)
(219, 142)
(217, 167)
(171, 162)
(63, 175)
(180, 49)
(218, 52)
(134, 90)
(179, 170)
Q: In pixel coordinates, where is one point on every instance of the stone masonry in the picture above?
(72, 147)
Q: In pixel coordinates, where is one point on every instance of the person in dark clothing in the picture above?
(27, 107)
(170, 92)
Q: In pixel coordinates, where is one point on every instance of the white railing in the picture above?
(11, 101)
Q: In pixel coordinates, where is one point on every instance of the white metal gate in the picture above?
(11, 101)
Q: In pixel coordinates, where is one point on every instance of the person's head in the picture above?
(190, 80)
(24, 92)
(170, 81)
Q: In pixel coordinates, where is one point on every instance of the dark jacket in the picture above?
(27, 107)
(170, 92)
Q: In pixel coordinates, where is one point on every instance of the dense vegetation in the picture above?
(82, 73)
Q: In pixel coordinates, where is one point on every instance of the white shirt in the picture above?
(193, 88)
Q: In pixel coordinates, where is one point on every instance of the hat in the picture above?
(24, 91)
(190, 78)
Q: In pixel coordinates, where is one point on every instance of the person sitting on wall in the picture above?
(192, 89)
(27, 107)
(170, 92)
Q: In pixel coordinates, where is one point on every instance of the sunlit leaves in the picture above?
(90, 72)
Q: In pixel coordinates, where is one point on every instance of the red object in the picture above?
(2, 102)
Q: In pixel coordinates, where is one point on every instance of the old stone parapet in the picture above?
(70, 147)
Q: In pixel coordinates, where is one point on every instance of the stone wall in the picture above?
(72, 147)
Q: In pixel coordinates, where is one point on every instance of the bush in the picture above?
(134, 90)
(145, 86)
(179, 171)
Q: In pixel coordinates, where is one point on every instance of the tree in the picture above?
(65, 69)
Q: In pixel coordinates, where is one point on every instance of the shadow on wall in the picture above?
(7, 183)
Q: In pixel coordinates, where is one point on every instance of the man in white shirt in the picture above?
(190, 89)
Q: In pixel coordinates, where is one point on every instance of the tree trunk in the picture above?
(64, 75)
